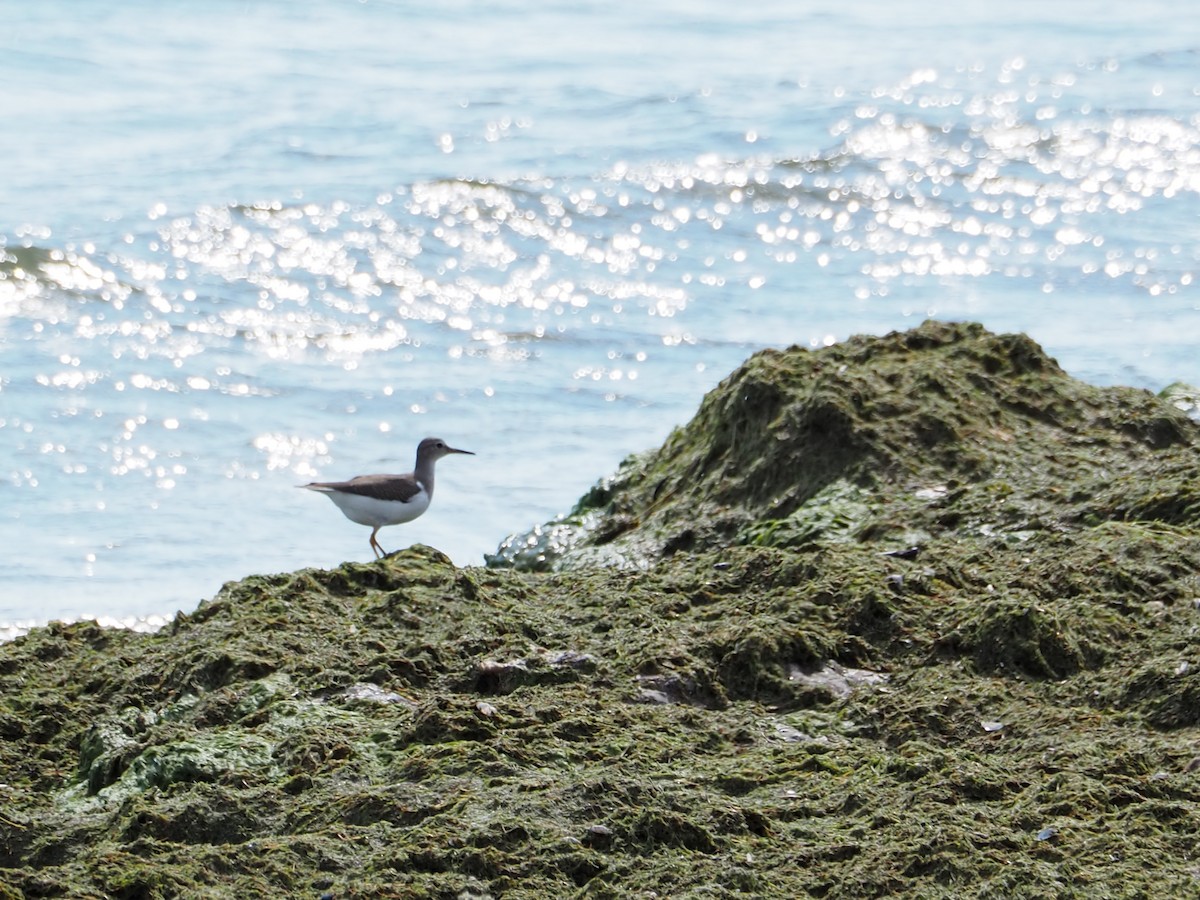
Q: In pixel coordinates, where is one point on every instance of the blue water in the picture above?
(249, 245)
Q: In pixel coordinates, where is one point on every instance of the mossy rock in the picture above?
(912, 616)
(945, 428)
(1020, 634)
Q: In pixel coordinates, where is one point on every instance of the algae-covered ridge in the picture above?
(907, 616)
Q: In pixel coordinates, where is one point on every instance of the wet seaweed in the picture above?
(907, 616)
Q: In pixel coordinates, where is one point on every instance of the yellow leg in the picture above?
(379, 553)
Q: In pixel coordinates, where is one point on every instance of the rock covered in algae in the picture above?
(945, 428)
(962, 668)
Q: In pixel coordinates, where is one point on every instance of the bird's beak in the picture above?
(454, 450)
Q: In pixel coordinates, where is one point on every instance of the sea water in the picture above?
(248, 245)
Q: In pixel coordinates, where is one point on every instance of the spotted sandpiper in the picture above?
(379, 500)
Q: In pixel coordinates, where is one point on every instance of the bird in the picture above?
(379, 500)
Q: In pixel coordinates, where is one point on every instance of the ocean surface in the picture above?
(248, 245)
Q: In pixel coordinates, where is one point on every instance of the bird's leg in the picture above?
(379, 554)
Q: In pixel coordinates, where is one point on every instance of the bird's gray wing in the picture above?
(385, 487)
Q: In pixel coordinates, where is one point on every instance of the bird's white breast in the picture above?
(375, 513)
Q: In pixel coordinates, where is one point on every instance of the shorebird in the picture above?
(379, 500)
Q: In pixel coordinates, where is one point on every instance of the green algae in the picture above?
(909, 616)
(836, 512)
(943, 428)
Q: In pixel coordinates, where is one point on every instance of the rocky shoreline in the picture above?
(912, 615)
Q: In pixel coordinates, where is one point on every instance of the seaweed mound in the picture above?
(910, 617)
(889, 440)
